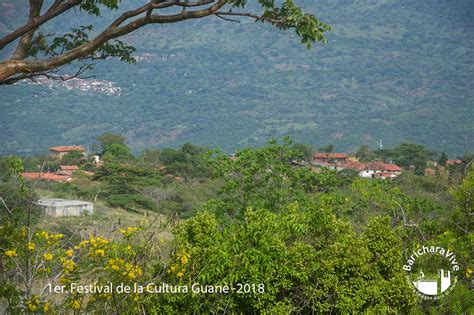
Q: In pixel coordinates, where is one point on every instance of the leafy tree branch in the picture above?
(35, 56)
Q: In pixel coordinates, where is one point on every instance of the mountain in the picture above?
(394, 70)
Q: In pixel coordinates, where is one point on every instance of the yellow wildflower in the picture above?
(100, 252)
(115, 267)
(102, 240)
(48, 256)
(129, 231)
(184, 259)
(58, 236)
(63, 280)
(468, 272)
(31, 306)
(11, 253)
(173, 268)
(44, 235)
(69, 265)
(69, 253)
(31, 246)
(46, 307)
(32, 303)
(24, 232)
(180, 274)
(76, 304)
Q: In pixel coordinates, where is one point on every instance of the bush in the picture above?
(131, 201)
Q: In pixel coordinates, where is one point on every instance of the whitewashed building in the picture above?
(65, 208)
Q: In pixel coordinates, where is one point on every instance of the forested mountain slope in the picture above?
(395, 70)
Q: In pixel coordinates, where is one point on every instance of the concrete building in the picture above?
(65, 208)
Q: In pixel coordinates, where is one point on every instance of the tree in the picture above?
(265, 178)
(36, 55)
(117, 151)
(73, 158)
(328, 149)
(306, 150)
(109, 138)
(407, 154)
(187, 162)
(151, 156)
(443, 158)
(364, 154)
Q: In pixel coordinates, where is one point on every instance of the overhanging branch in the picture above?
(55, 10)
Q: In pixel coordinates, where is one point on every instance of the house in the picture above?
(67, 169)
(379, 170)
(331, 160)
(46, 176)
(453, 162)
(65, 208)
(61, 151)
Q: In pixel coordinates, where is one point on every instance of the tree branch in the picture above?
(55, 10)
(25, 41)
(48, 75)
(249, 15)
(80, 47)
(11, 67)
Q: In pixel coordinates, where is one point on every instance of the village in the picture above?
(66, 172)
(331, 160)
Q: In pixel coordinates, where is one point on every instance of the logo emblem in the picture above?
(431, 270)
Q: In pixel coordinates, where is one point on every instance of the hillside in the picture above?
(394, 70)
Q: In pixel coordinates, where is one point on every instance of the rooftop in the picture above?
(60, 202)
(67, 148)
(46, 176)
(69, 167)
(320, 155)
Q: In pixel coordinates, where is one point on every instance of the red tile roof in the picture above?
(69, 167)
(46, 176)
(378, 166)
(320, 155)
(452, 162)
(392, 168)
(67, 148)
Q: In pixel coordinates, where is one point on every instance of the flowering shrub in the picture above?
(36, 257)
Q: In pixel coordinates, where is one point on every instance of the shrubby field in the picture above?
(296, 240)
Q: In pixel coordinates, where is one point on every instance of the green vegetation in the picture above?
(409, 154)
(41, 54)
(392, 70)
(303, 240)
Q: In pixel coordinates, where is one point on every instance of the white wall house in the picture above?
(65, 208)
